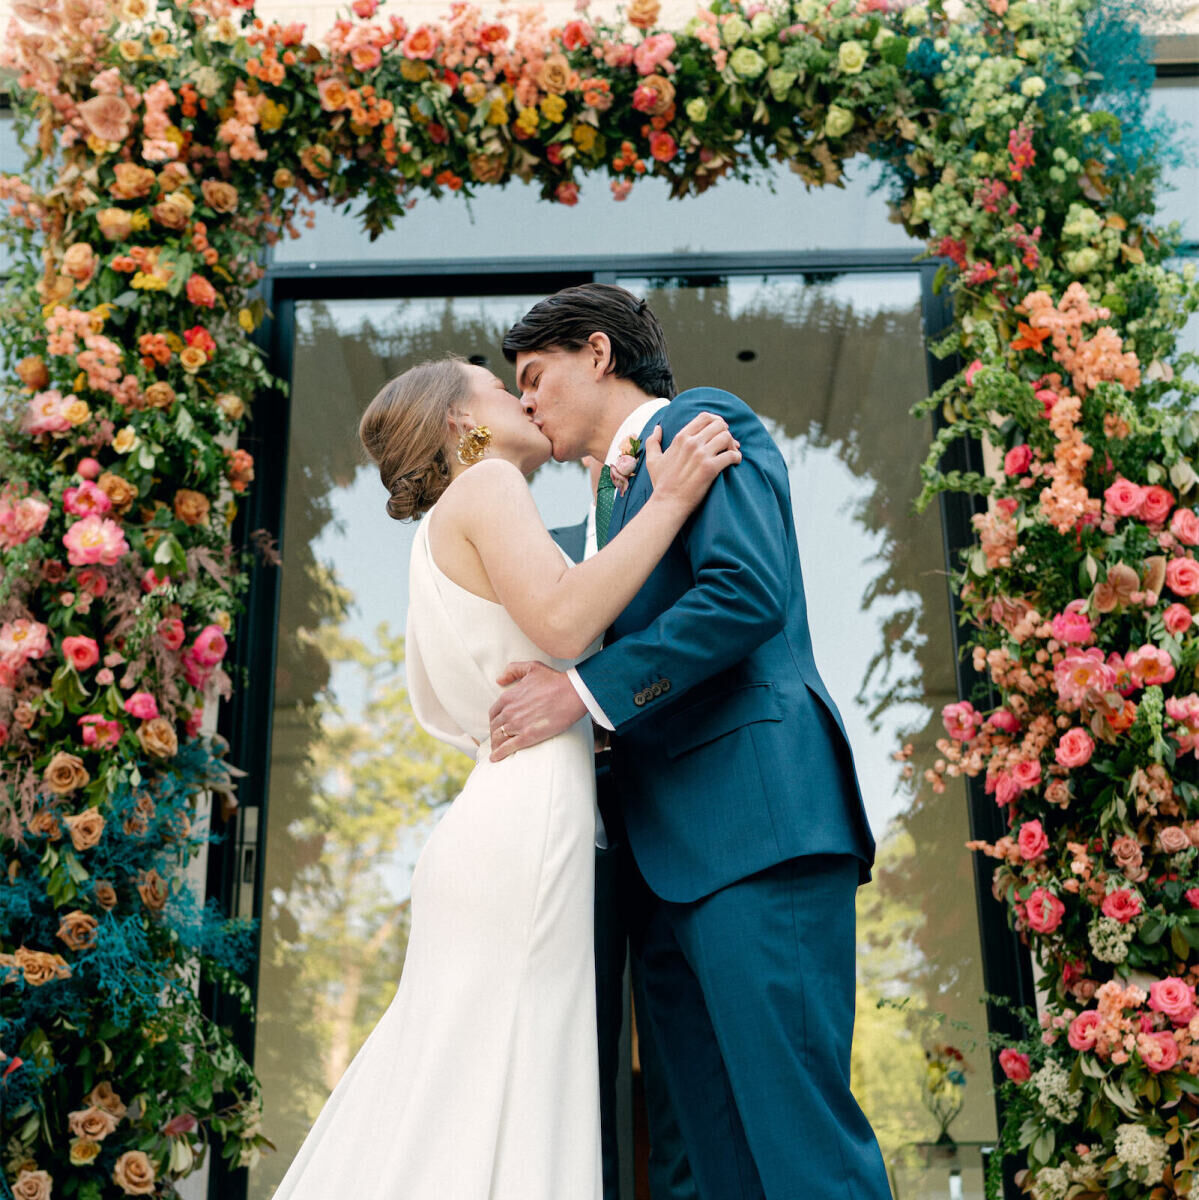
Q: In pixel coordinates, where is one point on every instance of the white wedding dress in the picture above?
(480, 1081)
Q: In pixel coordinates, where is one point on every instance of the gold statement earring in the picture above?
(471, 445)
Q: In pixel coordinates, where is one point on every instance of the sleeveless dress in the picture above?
(480, 1081)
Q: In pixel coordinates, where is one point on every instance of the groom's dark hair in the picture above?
(565, 320)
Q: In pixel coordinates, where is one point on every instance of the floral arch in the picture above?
(168, 143)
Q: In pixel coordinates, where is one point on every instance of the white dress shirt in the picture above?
(630, 427)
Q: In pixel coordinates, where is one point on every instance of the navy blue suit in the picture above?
(744, 818)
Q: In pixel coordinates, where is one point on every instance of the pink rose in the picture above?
(1121, 905)
(1032, 841)
(1044, 911)
(170, 630)
(961, 720)
(1075, 748)
(1159, 1051)
(1184, 525)
(1177, 619)
(142, 705)
(81, 652)
(1182, 576)
(1016, 461)
(1192, 896)
(1015, 1065)
(210, 646)
(1173, 839)
(1004, 720)
(653, 52)
(1156, 503)
(1026, 774)
(152, 581)
(1173, 998)
(195, 672)
(1072, 627)
(104, 677)
(1123, 498)
(99, 733)
(1082, 1030)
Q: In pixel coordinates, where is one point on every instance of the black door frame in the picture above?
(234, 864)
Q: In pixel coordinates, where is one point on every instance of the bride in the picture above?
(480, 1081)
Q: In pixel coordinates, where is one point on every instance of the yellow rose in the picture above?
(553, 108)
(77, 412)
(192, 358)
(131, 51)
(223, 619)
(283, 178)
(83, 1152)
(851, 57)
(158, 36)
(125, 440)
(166, 50)
(838, 121)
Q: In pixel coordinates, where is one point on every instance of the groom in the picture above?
(737, 784)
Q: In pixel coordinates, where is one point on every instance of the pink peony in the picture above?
(95, 540)
(961, 720)
(1177, 619)
(22, 640)
(1173, 998)
(210, 646)
(21, 519)
(1156, 503)
(142, 705)
(1182, 576)
(81, 652)
(1032, 841)
(85, 500)
(46, 413)
(1081, 671)
(653, 53)
(1159, 1051)
(99, 733)
(1004, 720)
(1123, 498)
(1184, 525)
(1149, 665)
(1015, 1065)
(1121, 905)
(1074, 748)
(1018, 459)
(1044, 911)
(170, 629)
(1073, 626)
(1082, 1030)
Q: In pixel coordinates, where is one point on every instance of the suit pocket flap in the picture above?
(707, 721)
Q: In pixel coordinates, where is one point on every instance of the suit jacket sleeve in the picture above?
(738, 545)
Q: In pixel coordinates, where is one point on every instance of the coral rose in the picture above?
(1026, 774)
(158, 738)
(1123, 498)
(1182, 576)
(201, 292)
(1082, 1030)
(1121, 905)
(1074, 748)
(219, 196)
(191, 507)
(1015, 1065)
(1044, 911)
(1155, 506)
(106, 117)
(85, 828)
(33, 1185)
(1174, 998)
(81, 652)
(65, 773)
(1184, 525)
(1177, 619)
(134, 1174)
(1032, 841)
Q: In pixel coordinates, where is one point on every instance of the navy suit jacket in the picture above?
(729, 752)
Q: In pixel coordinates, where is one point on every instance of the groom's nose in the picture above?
(527, 403)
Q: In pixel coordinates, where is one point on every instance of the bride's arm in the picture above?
(563, 609)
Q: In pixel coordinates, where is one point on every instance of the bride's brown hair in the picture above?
(404, 430)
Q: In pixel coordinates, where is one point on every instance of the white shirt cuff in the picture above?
(597, 713)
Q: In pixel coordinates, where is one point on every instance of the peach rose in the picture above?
(32, 1185)
(1075, 748)
(106, 117)
(232, 405)
(153, 890)
(85, 828)
(40, 968)
(132, 182)
(106, 896)
(1127, 854)
(134, 1174)
(219, 196)
(173, 176)
(654, 95)
(158, 738)
(84, 1152)
(120, 491)
(191, 507)
(555, 75)
(173, 212)
(192, 358)
(643, 13)
(102, 1096)
(160, 395)
(65, 773)
(33, 373)
(77, 931)
(115, 224)
(44, 823)
(1173, 839)
(79, 262)
(95, 1124)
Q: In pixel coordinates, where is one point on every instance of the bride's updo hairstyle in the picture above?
(404, 430)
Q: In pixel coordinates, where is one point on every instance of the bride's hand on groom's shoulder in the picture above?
(537, 703)
(684, 471)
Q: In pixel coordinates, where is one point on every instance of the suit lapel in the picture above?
(624, 506)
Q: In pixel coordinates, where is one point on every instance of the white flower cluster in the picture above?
(1141, 1153)
(1051, 1183)
(1052, 1084)
(1109, 939)
(1193, 1192)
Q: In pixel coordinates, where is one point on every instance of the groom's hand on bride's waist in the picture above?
(537, 703)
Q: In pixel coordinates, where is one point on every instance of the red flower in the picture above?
(662, 146)
(198, 336)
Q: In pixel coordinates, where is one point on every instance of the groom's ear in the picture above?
(601, 353)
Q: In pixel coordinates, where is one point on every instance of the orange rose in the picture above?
(192, 358)
(174, 211)
(283, 178)
(120, 491)
(85, 828)
(32, 372)
(555, 75)
(643, 13)
(115, 223)
(106, 117)
(173, 176)
(131, 181)
(153, 890)
(39, 967)
(191, 507)
(65, 773)
(219, 196)
(160, 395)
(106, 898)
(78, 931)
(134, 1174)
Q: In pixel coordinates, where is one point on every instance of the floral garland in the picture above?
(168, 143)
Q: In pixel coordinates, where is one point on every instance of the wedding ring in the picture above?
(504, 731)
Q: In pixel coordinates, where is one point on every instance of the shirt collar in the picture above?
(633, 424)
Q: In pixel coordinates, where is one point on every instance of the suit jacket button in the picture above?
(639, 699)
(666, 685)
(656, 690)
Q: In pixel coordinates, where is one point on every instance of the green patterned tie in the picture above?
(605, 497)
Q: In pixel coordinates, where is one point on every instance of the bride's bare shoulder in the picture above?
(493, 478)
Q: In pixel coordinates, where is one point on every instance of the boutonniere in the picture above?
(625, 466)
